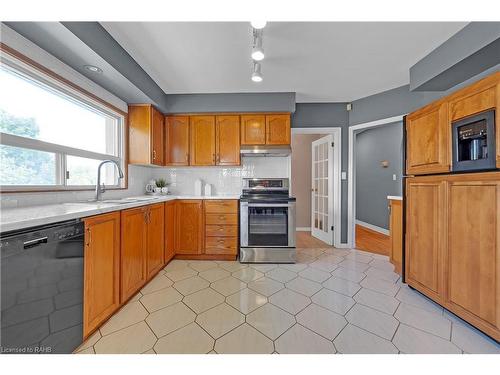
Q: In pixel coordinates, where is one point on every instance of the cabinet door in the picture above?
(101, 292)
(139, 134)
(253, 130)
(278, 129)
(228, 140)
(169, 230)
(157, 151)
(396, 231)
(474, 250)
(428, 136)
(189, 227)
(426, 235)
(156, 238)
(133, 251)
(176, 140)
(202, 143)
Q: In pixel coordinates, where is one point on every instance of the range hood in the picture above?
(266, 150)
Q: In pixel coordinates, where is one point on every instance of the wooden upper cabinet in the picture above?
(474, 250)
(253, 129)
(133, 251)
(202, 143)
(177, 140)
(278, 129)
(426, 235)
(145, 135)
(169, 230)
(157, 152)
(189, 227)
(155, 238)
(102, 270)
(428, 140)
(228, 140)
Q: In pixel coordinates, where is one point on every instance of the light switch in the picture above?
(343, 175)
(394, 178)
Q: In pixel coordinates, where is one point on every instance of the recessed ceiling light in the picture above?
(258, 24)
(92, 68)
(257, 74)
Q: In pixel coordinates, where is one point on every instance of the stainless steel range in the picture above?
(267, 225)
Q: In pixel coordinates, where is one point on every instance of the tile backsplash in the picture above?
(224, 180)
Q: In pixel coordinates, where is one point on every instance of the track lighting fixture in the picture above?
(257, 50)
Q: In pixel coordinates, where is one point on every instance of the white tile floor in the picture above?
(331, 301)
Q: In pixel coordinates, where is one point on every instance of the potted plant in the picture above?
(162, 184)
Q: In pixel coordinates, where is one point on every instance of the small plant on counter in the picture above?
(161, 183)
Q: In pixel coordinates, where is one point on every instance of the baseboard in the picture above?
(303, 229)
(373, 227)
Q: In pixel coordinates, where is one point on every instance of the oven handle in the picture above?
(271, 204)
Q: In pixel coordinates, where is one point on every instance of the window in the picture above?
(52, 136)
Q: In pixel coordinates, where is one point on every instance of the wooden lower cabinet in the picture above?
(133, 251)
(396, 234)
(221, 230)
(155, 239)
(474, 251)
(189, 226)
(169, 231)
(101, 292)
(426, 235)
(453, 244)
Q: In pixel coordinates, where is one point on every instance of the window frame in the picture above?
(51, 81)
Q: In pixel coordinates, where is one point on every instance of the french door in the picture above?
(322, 189)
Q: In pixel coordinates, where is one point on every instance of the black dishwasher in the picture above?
(42, 289)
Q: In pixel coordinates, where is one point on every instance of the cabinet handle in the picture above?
(88, 237)
(221, 217)
(154, 154)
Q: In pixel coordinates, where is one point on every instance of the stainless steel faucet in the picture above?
(101, 189)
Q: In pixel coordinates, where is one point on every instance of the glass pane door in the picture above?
(321, 183)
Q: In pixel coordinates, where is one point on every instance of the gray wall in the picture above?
(321, 115)
(469, 52)
(401, 100)
(373, 182)
(231, 102)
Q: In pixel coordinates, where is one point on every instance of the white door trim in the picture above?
(351, 181)
(337, 164)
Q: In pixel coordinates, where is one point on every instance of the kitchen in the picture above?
(168, 225)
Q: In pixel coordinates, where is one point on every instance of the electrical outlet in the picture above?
(394, 178)
(343, 175)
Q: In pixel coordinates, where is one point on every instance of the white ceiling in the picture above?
(321, 62)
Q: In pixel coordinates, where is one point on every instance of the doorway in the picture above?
(315, 182)
(366, 218)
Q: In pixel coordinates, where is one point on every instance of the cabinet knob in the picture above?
(154, 154)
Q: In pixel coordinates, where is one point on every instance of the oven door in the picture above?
(267, 224)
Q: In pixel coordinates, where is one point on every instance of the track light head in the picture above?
(257, 74)
(258, 24)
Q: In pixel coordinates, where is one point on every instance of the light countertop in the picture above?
(30, 216)
(395, 197)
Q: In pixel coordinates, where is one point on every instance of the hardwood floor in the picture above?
(372, 241)
(305, 240)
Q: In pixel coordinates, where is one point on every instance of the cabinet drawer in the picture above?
(221, 230)
(472, 104)
(221, 245)
(221, 219)
(221, 206)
